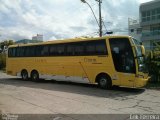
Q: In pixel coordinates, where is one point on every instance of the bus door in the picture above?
(123, 59)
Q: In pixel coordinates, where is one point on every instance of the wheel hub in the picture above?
(103, 82)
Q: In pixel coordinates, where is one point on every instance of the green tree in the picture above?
(6, 43)
(2, 60)
(3, 54)
(153, 63)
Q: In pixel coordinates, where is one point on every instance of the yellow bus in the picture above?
(106, 61)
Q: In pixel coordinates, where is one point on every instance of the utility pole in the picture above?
(100, 18)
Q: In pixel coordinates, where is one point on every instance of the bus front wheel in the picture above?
(35, 76)
(24, 75)
(104, 82)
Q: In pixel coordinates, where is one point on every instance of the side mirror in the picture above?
(143, 50)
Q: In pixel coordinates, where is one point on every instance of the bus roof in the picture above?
(70, 40)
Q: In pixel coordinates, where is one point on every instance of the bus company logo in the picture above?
(89, 60)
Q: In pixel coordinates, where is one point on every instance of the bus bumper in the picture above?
(141, 82)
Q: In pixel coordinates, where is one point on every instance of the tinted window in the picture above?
(29, 51)
(57, 50)
(70, 49)
(79, 48)
(122, 55)
(60, 49)
(45, 50)
(52, 50)
(10, 52)
(14, 52)
(97, 47)
(38, 50)
(101, 48)
(91, 48)
(20, 52)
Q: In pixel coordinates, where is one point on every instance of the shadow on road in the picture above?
(76, 88)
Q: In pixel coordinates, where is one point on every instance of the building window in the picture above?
(132, 30)
(148, 18)
(143, 19)
(151, 15)
(148, 13)
(139, 30)
(158, 10)
(155, 30)
(153, 12)
(143, 14)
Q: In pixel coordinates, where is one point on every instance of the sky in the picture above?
(61, 19)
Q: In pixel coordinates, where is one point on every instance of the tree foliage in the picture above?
(2, 52)
(2, 60)
(6, 43)
(153, 64)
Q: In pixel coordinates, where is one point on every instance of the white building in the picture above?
(38, 37)
(150, 23)
(135, 29)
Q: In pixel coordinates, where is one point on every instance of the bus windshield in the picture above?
(139, 56)
(122, 54)
(138, 47)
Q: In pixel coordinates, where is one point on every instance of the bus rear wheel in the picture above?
(24, 75)
(35, 76)
(104, 82)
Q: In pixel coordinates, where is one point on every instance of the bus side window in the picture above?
(52, 50)
(21, 52)
(101, 48)
(13, 52)
(79, 48)
(10, 54)
(38, 50)
(45, 50)
(29, 51)
(70, 49)
(60, 50)
(90, 48)
(18, 52)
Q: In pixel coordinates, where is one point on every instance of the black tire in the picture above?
(24, 75)
(35, 76)
(105, 82)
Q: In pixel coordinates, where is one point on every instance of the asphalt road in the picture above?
(51, 97)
